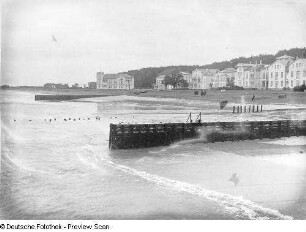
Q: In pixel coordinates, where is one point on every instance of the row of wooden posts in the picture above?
(126, 136)
(245, 109)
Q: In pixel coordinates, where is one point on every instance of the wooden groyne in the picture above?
(126, 136)
(63, 97)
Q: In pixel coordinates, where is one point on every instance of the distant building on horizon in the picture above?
(114, 81)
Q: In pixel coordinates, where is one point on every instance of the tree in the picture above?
(75, 86)
(5, 86)
(175, 80)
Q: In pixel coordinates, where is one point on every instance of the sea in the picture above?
(56, 163)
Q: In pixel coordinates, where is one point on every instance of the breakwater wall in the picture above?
(127, 136)
(63, 97)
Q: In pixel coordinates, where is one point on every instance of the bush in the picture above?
(299, 88)
(5, 86)
(234, 87)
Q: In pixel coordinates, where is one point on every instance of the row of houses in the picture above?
(284, 72)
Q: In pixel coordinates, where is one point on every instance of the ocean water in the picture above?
(64, 170)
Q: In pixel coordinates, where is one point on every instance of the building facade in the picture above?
(278, 72)
(159, 83)
(242, 75)
(224, 78)
(114, 81)
(297, 73)
(202, 78)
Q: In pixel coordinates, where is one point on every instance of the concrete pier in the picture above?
(127, 136)
(63, 97)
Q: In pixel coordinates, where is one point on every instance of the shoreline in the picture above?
(232, 96)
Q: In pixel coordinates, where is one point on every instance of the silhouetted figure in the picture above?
(79, 118)
(88, 118)
(65, 119)
(54, 119)
(253, 98)
(14, 120)
(74, 119)
(50, 119)
(30, 120)
(234, 178)
(69, 118)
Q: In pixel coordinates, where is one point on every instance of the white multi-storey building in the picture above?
(256, 76)
(202, 78)
(114, 81)
(278, 72)
(297, 73)
(242, 75)
(224, 77)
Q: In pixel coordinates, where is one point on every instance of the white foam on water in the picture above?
(19, 164)
(290, 141)
(236, 206)
(11, 134)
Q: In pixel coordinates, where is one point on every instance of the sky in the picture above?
(68, 41)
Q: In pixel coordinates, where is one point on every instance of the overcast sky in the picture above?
(68, 41)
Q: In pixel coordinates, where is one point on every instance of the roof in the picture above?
(116, 76)
(284, 57)
(244, 64)
(303, 60)
(257, 68)
(208, 72)
(283, 62)
(184, 73)
(160, 77)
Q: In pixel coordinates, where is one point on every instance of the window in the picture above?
(291, 83)
(291, 73)
(297, 74)
(271, 83)
(276, 75)
(271, 75)
(282, 74)
(282, 83)
(304, 73)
